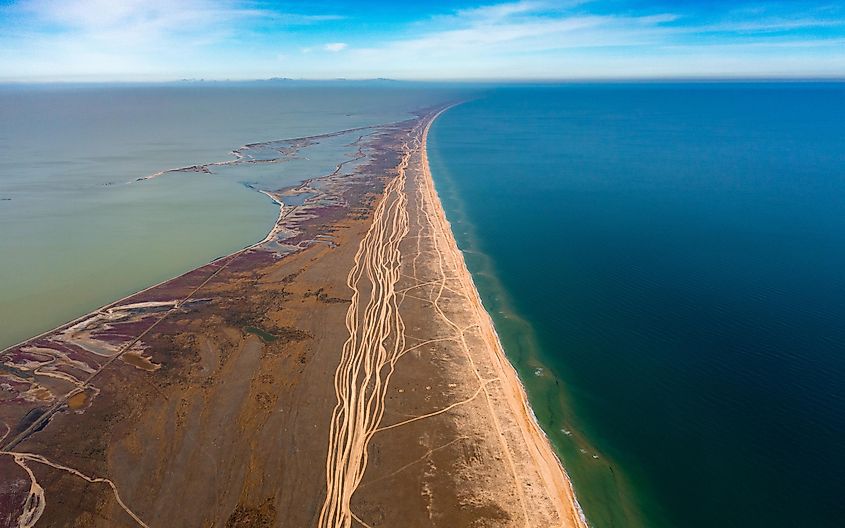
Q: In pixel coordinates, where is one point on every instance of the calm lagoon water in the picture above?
(74, 235)
(664, 264)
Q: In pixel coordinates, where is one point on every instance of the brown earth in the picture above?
(352, 379)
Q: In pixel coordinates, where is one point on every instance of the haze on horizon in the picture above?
(160, 40)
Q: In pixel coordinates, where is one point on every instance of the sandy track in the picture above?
(376, 341)
(543, 494)
(35, 503)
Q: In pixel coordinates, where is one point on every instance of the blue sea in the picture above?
(665, 264)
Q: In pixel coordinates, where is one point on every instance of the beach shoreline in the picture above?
(545, 458)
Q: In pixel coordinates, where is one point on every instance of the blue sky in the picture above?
(149, 40)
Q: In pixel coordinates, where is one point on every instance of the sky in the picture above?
(160, 40)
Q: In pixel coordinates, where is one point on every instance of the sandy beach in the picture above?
(532, 460)
(553, 474)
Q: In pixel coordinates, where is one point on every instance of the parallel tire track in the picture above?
(376, 341)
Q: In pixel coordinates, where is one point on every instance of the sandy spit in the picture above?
(545, 460)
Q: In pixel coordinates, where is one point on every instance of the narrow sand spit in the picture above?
(518, 478)
(383, 399)
(554, 477)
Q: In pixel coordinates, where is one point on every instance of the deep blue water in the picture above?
(666, 265)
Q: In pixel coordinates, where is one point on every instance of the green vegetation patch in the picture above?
(265, 336)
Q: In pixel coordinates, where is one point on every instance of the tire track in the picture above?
(376, 341)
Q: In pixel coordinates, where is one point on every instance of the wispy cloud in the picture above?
(500, 11)
(82, 37)
(334, 47)
(556, 39)
(527, 27)
(173, 14)
(520, 38)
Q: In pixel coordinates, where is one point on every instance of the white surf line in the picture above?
(376, 341)
(36, 502)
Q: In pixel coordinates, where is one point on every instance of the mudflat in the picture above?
(342, 372)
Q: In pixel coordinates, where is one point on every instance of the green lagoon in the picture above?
(76, 230)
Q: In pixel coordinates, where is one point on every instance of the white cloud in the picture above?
(534, 39)
(174, 14)
(334, 47)
(166, 39)
(500, 11)
(527, 27)
(137, 38)
(764, 25)
(98, 18)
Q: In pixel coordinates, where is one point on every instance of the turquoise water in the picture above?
(664, 264)
(74, 234)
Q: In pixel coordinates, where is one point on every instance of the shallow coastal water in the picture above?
(664, 266)
(76, 230)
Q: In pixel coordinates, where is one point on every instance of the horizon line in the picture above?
(505, 80)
